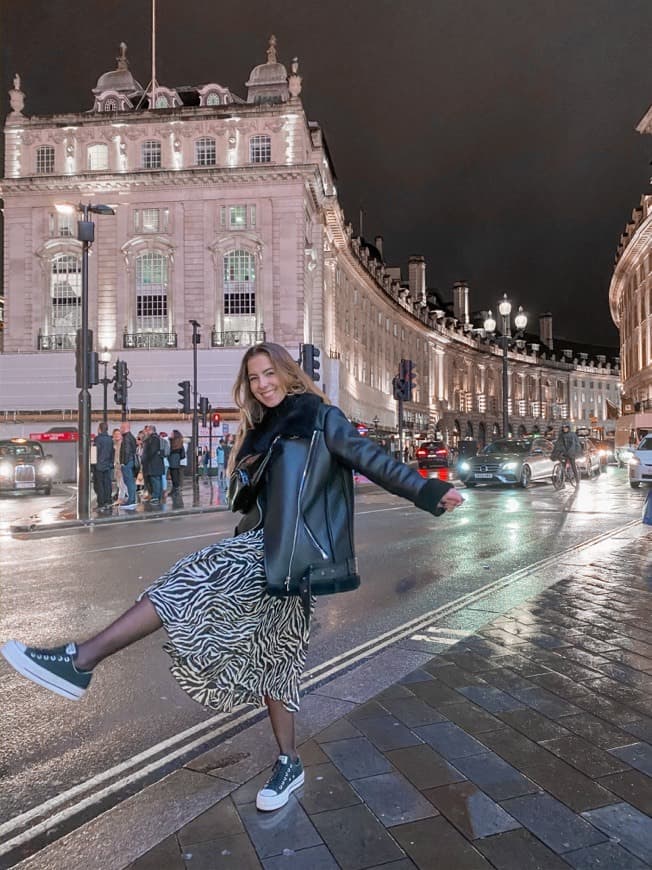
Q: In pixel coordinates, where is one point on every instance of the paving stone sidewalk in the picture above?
(527, 745)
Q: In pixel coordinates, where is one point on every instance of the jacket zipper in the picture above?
(316, 543)
(296, 525)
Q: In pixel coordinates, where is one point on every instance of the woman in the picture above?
(177, 453)
(235, 643)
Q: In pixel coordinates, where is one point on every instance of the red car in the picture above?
(432, 454)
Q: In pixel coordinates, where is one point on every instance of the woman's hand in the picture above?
(451, 500)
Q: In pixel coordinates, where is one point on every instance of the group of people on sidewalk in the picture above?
(222, 456)
(126, 466)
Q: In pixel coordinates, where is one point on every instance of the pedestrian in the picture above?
(119, 487)
(141, 481)
(129, 464)
(177, 454)
(568, 447)
(228, 446)
(220, 459)
(165, 453)
(231, 641)
(153, 466)
(103, 467)
(206, 461)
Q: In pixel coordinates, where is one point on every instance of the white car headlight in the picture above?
(510, 466)
(6, 469)
(48, 469)
(464, 466)
(634, 460)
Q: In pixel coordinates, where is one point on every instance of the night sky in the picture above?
(495, 137)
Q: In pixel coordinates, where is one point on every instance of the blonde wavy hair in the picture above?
(293, 380)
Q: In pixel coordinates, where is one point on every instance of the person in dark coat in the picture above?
(153, 465)
(177, 453)
(230, 640)
(103, 467)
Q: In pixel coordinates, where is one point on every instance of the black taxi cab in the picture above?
(24, 467)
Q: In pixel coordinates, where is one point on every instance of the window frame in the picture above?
(205, 147)
(148, 151)
(260, 148)
(45, 158)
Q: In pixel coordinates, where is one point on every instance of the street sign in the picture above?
(225, 428)
(54, 436)
(362, 429)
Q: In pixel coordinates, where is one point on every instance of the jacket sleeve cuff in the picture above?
(431, 494)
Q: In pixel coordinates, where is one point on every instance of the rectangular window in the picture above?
(154, 306)
(205, 152)
(150, 220)
(151, 154)
(260, 149)
(98, 157)
(44, 159)
(238, 217)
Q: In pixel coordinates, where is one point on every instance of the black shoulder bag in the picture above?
(246, 479)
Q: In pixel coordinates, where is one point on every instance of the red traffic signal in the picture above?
(216, 419)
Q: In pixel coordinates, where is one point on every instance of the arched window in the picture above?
(213, 99)
(205, 154)
(44, 159)
(260, 149)
(151, 154)
(111, 105)
(152, 292)
(98, 157)
(65, 293)
(161, 102)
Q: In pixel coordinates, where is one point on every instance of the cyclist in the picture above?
(568, 447)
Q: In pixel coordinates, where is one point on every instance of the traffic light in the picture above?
(310, 361)
(120, 382)
(184, 396)
(204, 408)
(93, 368)
(408, 374)
(216, 418)
(399, 388)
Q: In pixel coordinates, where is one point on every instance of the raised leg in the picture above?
(134, 624)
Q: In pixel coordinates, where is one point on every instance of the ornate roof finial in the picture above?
(271, 51)
(294, 79)
(123, 63)
(17, 100)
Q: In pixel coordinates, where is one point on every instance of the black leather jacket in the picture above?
(308, 503)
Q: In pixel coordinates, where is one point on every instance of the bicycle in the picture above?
(562, 472)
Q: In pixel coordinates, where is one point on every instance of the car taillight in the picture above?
(440, 452)
(422, 452)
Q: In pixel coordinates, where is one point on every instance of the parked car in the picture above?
(433, 454)
(522, 461)
(588, 464)
(640, 465)
(24, 467)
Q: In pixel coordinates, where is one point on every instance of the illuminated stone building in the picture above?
(226, 212)
(630, 299)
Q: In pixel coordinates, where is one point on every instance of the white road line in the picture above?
(460, 632)
(312, 677)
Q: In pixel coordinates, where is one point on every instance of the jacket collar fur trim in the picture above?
(294, 417)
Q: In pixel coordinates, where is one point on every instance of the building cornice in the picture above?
(639, 241)
(93, 183)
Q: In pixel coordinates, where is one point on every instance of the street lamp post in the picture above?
(86, 235)
(105, 359)
(520, 322)
(196, 338)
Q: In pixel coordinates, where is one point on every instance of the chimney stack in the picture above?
(378, 242)
(417, 278)
(461, 301)
(545, 330)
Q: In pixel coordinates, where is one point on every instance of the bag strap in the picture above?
(258, 473)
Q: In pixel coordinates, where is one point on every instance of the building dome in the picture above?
(120, 79)
(268, 82)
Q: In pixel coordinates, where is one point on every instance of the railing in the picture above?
(236, 339)
(57, 341)
(149, 339)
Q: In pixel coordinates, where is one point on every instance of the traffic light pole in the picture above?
(195, 422)
(85, 233)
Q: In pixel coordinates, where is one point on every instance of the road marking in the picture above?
(460, 632)
(315, 676)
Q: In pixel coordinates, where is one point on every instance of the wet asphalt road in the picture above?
(66, 586)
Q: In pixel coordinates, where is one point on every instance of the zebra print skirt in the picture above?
(230, 642)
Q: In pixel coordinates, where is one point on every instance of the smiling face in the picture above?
(264, 382)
